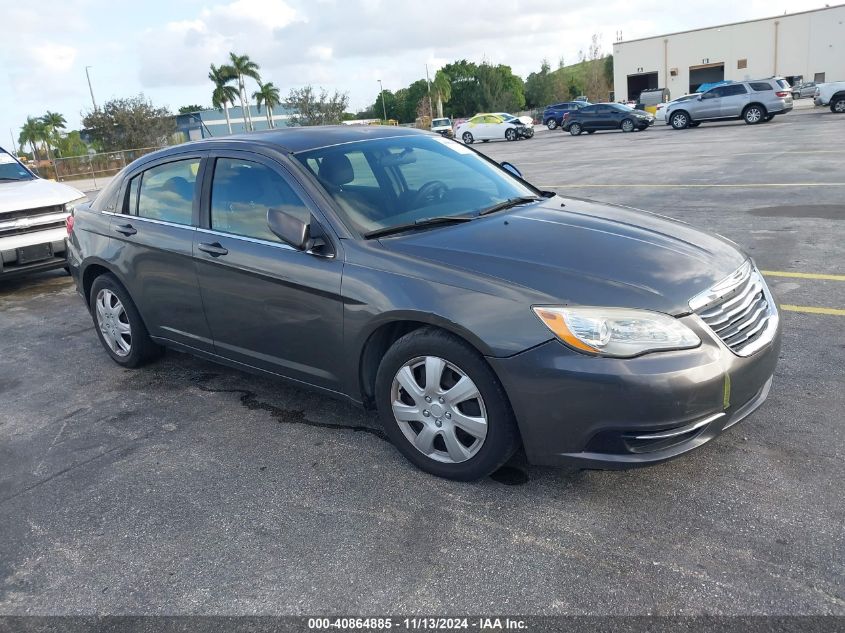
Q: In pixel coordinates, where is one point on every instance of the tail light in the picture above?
(782, 93)
(69, 224)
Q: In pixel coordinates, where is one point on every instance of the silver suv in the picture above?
(755, 101)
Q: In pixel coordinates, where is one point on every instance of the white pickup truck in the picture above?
(33, 215)
(832, 94)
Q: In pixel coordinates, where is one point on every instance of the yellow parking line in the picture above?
(702, 185)
(813, 310)
(781, 273)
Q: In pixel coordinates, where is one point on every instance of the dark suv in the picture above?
(408, 273)
(553, 114)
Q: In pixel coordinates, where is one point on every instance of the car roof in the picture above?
(305, 138)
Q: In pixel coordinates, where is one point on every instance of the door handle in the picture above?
(126, 229)
(215, 250)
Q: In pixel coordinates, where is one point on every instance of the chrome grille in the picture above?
(32, 220)
(739, 310)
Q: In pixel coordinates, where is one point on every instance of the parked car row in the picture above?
(606, 116)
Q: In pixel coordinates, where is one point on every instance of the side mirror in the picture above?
(511, 169)
(291, 230)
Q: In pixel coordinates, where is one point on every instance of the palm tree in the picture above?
(240, 67)
(223, 94)
(267, 94)
(31, 133)
(53, 122)
(442, 85)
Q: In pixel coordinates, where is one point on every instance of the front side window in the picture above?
(414, 178)
(243, 191)
(166, 192)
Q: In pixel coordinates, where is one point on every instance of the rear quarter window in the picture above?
(106, 200)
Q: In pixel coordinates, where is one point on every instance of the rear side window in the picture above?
(241, 194)
(166, 192)
(760, 86)
(730, 91)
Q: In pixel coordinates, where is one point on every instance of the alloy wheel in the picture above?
(439, 409)
(839, 105)
(627, 125)
(753, 115)
(679, 121)
(113, 323)
(510, 134)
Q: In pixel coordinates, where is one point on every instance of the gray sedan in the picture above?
(410, 274)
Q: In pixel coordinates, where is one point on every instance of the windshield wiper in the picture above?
(509, 203)
(422, 222)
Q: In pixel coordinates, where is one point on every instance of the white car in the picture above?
(33, 217)
(662, 108)
(831, 94)
(486, 127)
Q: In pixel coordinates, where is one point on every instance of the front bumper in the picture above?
(15, 252)
(615, 413)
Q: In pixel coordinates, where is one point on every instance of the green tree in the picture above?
(311, 108)
(239, 68)
(71, 145)
(53, 122)
(224, 94)
(189, 109)
(32, 132)
(464, 100)
(442, 88)
(267, 95)
(499, 89)
(129, 123)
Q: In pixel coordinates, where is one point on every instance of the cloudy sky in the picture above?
(163, 47)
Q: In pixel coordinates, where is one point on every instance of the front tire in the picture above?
(118, 323)
(510, 134)
(627, 125)
(837, 105)
(680, 120)
(443, 407)
(753, 114)
(575, 129)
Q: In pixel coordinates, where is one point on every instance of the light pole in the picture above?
(90, 89)
(383, 107)
(428, 83)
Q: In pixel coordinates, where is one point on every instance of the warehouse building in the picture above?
(805, 46)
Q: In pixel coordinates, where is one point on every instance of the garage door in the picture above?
(639, 82)
(705, 74)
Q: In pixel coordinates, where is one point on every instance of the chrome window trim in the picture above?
(244, 238)
(150, 220)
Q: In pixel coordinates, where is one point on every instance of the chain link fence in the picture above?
(93, 166)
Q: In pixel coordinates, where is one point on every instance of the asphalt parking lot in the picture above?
(189, 488)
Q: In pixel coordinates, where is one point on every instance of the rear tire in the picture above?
(575, 129)
(467, 138)
(551, 124)
(753, 114)
(446, 449)
(837, 104)
(119, 325)
(680, 120)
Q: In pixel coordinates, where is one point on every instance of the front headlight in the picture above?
(618, 332)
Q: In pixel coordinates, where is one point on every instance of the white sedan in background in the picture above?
(485, 127)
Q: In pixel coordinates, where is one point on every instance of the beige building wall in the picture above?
(804, 44)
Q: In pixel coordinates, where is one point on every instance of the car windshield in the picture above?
(440, 122)
(390, 182)
(621, 106)
(10, 169)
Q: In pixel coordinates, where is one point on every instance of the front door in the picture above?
(734, 100)
(268, 305)
(710, 106)
(155, 227)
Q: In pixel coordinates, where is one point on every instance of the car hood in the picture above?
(585, 253)
(31, 194)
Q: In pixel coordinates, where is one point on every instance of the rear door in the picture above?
(268, 305)
(733, 101)
(155, 231)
